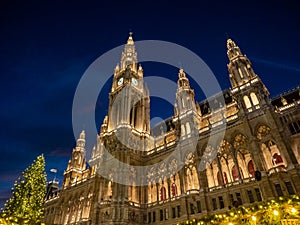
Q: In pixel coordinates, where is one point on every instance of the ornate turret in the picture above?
(239, 67)
(246, 84)
(129, 55)
(77, 163)
(184, 95)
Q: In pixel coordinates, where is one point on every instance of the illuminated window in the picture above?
(254, 98)
(235, 173)
(182, 130)
(277, 158)
(163, 193)
(188, 128)
(247, 102)
(251, 168)
(174, 190)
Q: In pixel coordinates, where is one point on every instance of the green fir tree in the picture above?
(26, 206)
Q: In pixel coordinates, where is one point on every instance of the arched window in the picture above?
(188, 128)
(174, 190)
(225, 178)
(235, 173)
(182, 130)
(254, 98)
(163, 193)
(277, 158)
(247, 102)
(251, 168)
(219, 178)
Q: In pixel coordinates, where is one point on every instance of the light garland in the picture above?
(273, 212)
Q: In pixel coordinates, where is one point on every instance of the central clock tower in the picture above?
(129, 102)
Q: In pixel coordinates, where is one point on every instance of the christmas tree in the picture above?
(26, 206)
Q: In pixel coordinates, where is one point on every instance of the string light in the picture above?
(281, 210)
(26, 206)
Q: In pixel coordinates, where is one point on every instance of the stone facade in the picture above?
(255, 157)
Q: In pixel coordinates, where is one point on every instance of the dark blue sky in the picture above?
(46, 47)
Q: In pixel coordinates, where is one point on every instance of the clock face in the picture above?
(120, 81)
(134, 81)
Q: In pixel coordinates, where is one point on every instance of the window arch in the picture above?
(251, 168)
(247, 102)
(182, 130)
(163, 195)
(254, 98)
(235, 173)
(174, 190)
(188, 128)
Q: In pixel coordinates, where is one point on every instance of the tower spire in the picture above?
(77, 163)
(184, 95)
(239, 67)
(129, 55)
(246, 84)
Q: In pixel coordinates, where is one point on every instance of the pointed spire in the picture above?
(130, 39)
(140, 70)
(239, 67)
(129, 55)
(232, 49)
(183, 81)
(82, 135)
(81, 141)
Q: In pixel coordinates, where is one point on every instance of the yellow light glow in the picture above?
(230, 223)
(293, 210)
(276, 213)
(253, 218)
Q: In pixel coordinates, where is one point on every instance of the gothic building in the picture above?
(256, 160)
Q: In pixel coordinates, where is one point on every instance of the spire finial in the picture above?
(130, 40)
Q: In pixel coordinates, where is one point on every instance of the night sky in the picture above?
(46, 47)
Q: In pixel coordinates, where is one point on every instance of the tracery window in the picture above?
(224, 147)
(239, 140)
(262, 131)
